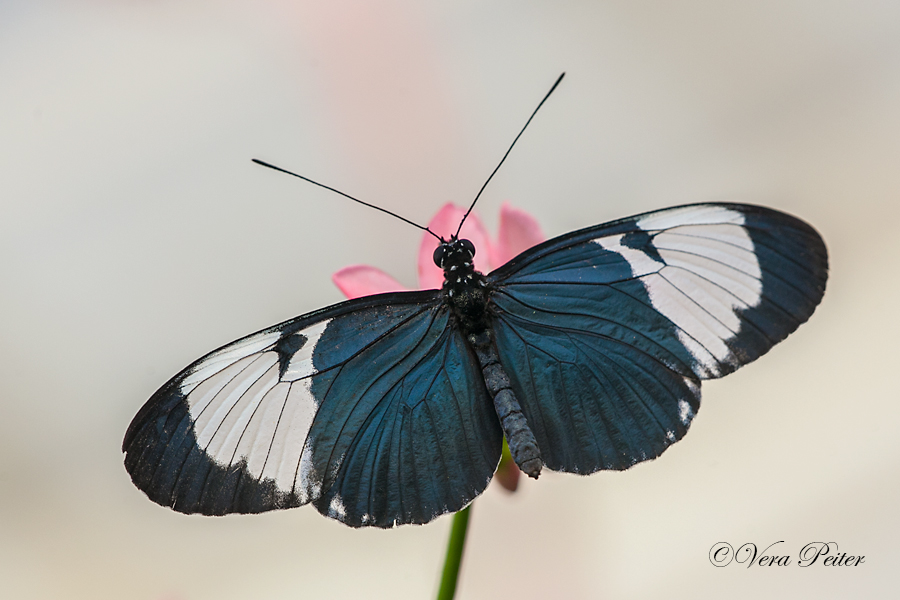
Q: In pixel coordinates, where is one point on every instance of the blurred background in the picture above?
(136, 235)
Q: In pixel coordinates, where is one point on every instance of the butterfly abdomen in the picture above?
(522, 444)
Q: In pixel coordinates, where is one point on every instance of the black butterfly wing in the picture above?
(606, 332)
(374, 410)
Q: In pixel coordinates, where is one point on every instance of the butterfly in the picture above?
(586, 352)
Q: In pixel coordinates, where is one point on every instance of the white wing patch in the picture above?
(219, 426)
(641, 263)
(301, 364)
(226, 357)
(704, 271)
(243, 411)
(209, 420)
(289, 441)
(708, 214)
(310, 484)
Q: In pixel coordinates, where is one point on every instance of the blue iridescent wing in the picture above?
(606, 332)
(374, 410)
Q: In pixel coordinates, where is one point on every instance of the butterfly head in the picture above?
(454, 253)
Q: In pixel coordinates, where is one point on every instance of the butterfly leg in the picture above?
(522, 444)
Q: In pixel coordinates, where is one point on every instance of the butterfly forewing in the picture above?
(378, 396)
(606, 332)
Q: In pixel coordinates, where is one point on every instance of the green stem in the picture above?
(454, 554)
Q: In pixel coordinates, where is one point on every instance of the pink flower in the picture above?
(518, 232)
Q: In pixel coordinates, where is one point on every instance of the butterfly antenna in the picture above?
(265, 164)
(507, 153)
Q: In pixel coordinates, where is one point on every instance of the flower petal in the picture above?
(508, 472)
(362, 280)
(519, 231)
(444, 224)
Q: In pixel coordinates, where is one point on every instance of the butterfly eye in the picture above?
(468, 246)
(439, 256)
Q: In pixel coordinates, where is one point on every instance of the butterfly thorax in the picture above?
(466, 289)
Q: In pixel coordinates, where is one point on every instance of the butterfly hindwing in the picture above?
(325, 408)
(607, 331)
(593, 394)
(420, 440)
